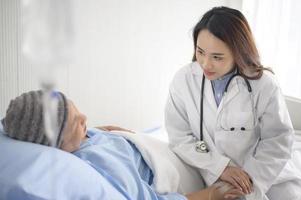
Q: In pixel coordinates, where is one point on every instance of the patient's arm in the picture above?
(113, 128)
(219, 191)
(199, 195)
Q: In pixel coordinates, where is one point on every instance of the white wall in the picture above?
(127, 52)
(276, 28)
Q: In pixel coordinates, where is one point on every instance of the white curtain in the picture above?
(277, 30)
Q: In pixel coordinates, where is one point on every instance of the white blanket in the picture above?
(170, 173)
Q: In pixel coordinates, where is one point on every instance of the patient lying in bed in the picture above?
(115, 158)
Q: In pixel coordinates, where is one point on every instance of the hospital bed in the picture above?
(294, 109)
(31, 171)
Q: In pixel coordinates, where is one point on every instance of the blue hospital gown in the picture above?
(120, 162)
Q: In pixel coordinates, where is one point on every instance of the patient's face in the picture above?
(75, 130)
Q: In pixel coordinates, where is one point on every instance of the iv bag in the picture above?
(48, 31)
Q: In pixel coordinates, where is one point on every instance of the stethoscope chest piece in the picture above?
(201, 147)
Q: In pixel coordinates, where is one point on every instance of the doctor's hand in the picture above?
(238, 178)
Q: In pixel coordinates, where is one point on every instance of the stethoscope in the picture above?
(200, 145)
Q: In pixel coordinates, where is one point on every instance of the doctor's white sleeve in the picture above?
(275, 145)
(182, 142)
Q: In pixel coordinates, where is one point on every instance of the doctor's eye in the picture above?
(217, 58)
(200, 52)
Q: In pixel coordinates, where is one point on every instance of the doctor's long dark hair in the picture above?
(230, 26)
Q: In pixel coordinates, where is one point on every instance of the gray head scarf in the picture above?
(24, 118)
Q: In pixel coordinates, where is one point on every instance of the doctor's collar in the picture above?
(228, 75)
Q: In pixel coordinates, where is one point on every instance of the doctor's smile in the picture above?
(208, 74)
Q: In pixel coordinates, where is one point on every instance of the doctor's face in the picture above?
(213, 55)
(75, 130)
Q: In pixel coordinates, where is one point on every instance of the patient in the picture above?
(118, 160)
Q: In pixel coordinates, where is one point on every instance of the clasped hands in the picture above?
(238, 183)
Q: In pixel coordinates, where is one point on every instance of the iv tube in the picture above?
(47, 44)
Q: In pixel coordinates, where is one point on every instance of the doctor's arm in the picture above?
(275, 145)
(182, 141)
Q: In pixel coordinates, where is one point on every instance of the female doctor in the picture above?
(226, 116)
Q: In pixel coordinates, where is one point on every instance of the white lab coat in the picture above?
(262, 150)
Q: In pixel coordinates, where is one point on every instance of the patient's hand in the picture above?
(113, 128)
(223, 190)
(218, 191)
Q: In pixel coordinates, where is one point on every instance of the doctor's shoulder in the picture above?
(266, 89)
(267, 83)
(184, 75)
